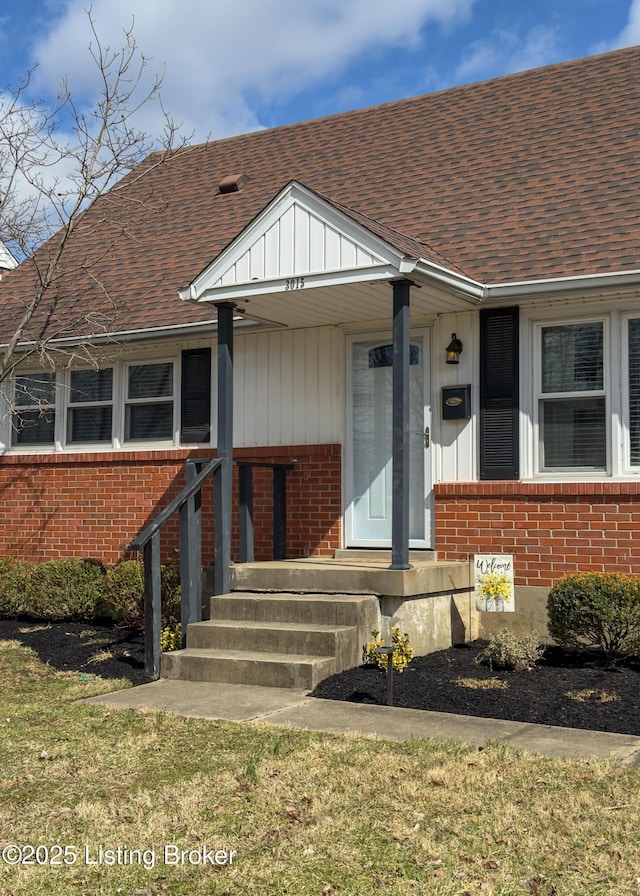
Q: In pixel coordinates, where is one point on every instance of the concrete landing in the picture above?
(366, 575)
(294, 708)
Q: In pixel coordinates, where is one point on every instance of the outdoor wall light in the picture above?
(453, 350)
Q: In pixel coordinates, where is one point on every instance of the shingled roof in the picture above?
(530, 176)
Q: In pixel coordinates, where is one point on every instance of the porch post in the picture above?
(224, 482)
(400, 436)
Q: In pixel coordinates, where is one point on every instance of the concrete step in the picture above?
(273, 637)
(308, 609)
(247, 667)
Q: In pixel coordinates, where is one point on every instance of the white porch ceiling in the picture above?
(344, 304)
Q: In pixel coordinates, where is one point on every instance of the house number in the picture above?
(295, 283)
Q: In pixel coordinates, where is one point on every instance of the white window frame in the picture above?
(175, 399)
(62, 407)
(13, 408)
(69, 406)
(615, 387)
(540, 396)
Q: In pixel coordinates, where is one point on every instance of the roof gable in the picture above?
(298, 236)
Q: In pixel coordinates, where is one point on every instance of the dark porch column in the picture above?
(224, 481)
(400, 444)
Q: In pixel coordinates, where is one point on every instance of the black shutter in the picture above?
(499, 394)
(195, 396)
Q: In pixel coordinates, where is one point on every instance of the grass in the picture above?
(482, 684)
(306, 814)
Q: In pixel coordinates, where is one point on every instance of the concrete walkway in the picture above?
(279, 706)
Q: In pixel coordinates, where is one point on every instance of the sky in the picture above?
(232, 66)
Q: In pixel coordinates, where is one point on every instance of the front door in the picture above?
(368, 455)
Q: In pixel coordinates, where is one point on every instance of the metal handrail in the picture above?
(187, 492)
(279, 472)
(188, 504)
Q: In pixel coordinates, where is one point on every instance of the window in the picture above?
(149, 402)
(34, 413)
(572, 402)
(90, 414)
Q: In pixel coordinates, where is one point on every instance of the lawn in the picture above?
(139, 803)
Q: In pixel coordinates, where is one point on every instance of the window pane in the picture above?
(35, 389)
(574, 434)
(91, 385)
(151, 380)
(634, 390)
(149, 421)
(572, 358)
(90, 424)
(33, 428)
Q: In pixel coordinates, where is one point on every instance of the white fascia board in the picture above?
(172, 332)
(239, 291)
(469, 289)
(534, 288)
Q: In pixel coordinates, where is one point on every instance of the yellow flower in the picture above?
(495, 586)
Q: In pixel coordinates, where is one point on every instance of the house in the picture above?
(494, 225)
(7, 261)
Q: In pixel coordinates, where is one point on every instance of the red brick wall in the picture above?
(93, 505)
(552, 529)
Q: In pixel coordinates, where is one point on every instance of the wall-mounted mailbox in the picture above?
(456, 402)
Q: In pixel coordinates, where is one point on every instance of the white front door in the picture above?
(368, 455)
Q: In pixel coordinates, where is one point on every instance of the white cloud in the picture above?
(506, 52)
(224, 57)
(630, 34)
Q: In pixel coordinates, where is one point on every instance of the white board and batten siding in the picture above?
(288, 388)
(455, 440)
(297, 243)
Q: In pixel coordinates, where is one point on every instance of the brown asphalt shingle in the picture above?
(529, 176)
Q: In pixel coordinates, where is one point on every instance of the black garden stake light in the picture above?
(389, 653)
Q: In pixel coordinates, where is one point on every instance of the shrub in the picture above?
(15, 577)
(506, 650)
(125, 593)
(70, 589)
(596, 610)
(402, 650)
(171, 636)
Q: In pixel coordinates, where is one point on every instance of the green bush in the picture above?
(596, 610)
(15, 579)
(71, 589)
(507, 650)
(125, 593)
(78, 590)
(402, 650)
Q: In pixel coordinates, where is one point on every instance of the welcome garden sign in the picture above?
(493, 579)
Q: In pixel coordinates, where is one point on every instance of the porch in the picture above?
(291, 623)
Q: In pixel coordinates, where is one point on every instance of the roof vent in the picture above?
(233, 183)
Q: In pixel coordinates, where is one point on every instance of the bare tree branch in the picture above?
(54, 163)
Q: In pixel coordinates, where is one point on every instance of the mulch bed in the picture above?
(571, 689)
(94, 650)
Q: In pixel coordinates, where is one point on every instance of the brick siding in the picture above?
(93, 505)
(552, 529)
